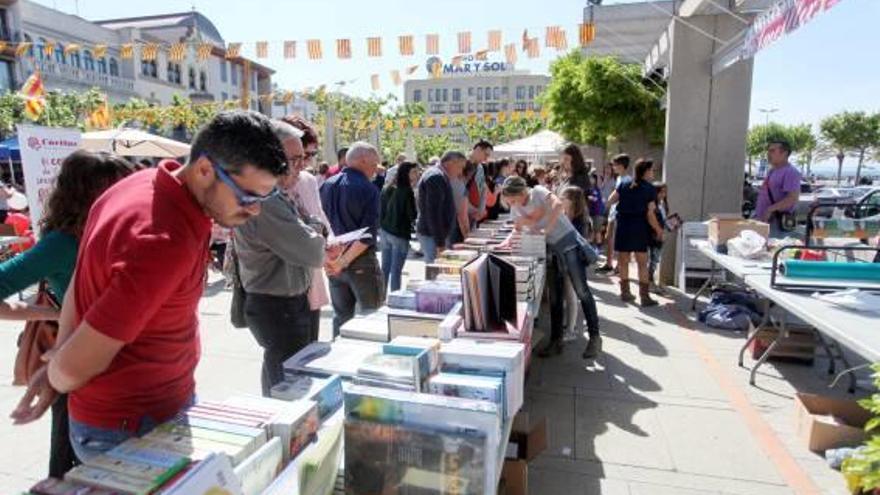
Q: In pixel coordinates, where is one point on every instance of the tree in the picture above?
(804, 143)
(435, 145)
(590, 99)
(850, 132)
(760, 135)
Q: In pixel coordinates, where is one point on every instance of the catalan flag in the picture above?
(406, 45)
(262, 49)
(562, 40)
(71, 48)
(432, 44)
(343, 48)
(3, 46)
(100, 117)
(494, 42)
(464, 42)
(374, 82)
(49, 49)
(33, 92)
(177, 52)
(290, 49)
(203, 52)
(551, 38)
(126, 51)
(510, 53)
(395, 77)
(100, 50)
(22, 49)
(233, 50)
(149, 52)
(534, 49)
(374, 47)
(314, 49)
(587, 33)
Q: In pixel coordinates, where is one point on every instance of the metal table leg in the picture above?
(764, 321)
(782, 332)
(828, 351)
(708, 283)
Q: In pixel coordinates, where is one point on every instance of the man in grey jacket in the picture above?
(277, 252)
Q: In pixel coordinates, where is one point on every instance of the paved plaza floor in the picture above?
(665, 409)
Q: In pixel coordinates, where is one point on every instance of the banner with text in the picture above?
(42, 151)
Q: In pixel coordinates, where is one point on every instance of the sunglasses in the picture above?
(243, 197)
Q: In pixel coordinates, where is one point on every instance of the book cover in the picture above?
(53, 486)
(109, 480)
(490, 355)
(154, 474)
(137, 447)
(469, 386)
(206, 434)
(372, 326)
(257, 471)
(391, 458)
(185, 443)
(294, 422)
(186, 420)
(342, 357)
(402, 299)
(212, 476)
(403, 369)
(141, 451)
(327, 392)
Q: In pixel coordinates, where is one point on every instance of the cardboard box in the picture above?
(826, 423)
(528, 437)
(514, 478)
(799, 345)
(724, 226)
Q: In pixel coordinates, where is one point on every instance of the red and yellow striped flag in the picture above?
(432, 44)
(510, 53)
(374, 82)
(464, 42)
(33, 91)
(262, 49)
(551, 38)
(494, 44)
(412, 69)
(374, 47)
(22, 49)
(100, 117)
(49, 49)
(290, 49)
(395, 77)
(314, 49)
(150, 52)
(343, 48)
(203, 52)
(534, 49)
(587, 33)
(100, 51)
(233, 50)
(482, 55)
(406, 44)
(70, 48)
(562, 42)
(126, 51)
(177, 52)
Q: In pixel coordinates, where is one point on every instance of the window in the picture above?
(471, 91)
(59, 54)
(148, 68)
(479, 94)
(4, 28)
(6, 81)
(504, 91)
(488, 93)
(114, 67)
(223, 76)
(457, 108)
(224, 95)
(203, 81)
(30, 51)
(173, 73)
(234, 69)
(496, 93)
(519, 107)
(479, 107)
(445, 94)
(520, 92)
(531, 92)
(102, 65)
(192, 78)
(254, 81)
(430, 94)
(89, 61)
(470, 108)
(417, 95)
(76, 59)
(491, 107)
(437, 108)
(456, 94)
(41, 42)
(504, 107)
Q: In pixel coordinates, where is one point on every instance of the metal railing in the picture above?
(68, 73)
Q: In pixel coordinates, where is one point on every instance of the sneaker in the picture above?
(593, 349)
(552, 348)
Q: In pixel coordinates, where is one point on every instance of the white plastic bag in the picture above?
(747, 245)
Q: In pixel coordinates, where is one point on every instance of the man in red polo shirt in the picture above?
(128, 342)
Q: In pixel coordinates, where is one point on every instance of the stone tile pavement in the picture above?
(661, 412)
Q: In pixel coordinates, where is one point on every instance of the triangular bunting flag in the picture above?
(374, 47)
(343, 48)
(464, 42)
(233, 50)
(314, 49)
(412, 69)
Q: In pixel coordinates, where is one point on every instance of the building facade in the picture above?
(159, 81)
(474, 87)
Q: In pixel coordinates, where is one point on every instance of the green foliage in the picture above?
(864, 468)
(760, 135)
(805, 144)
(592, 99)
(434, 145)
(851, 132)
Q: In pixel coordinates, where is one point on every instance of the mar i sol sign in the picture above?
(469, 64)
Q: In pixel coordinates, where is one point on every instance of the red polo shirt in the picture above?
(140, 274)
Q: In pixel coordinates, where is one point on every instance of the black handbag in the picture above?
(236, 309)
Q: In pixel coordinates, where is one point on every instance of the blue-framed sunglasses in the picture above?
(244, 198)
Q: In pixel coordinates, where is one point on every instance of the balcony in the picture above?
(67, 73)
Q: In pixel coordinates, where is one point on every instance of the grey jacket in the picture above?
(277, 250)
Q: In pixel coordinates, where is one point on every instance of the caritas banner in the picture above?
(780, 19)
(42, 151)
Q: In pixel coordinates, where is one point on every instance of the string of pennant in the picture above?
(555, 37)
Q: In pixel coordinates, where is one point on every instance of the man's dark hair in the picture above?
(782, 143)
(340, 155)
(310, 136)
(482, 143)
(622, 160)
(238, 138)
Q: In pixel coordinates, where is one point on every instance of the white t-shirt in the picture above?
(539, 198)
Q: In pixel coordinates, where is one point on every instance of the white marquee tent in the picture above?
(537, 147)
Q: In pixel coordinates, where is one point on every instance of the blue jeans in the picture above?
(429, 248)
(361, 284)
(573, 260)
(394, 251)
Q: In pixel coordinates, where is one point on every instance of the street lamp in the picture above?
(767, 112)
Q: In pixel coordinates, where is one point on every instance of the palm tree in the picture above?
(855, 132)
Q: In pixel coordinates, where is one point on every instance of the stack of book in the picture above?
(314, 471)
(325, 391)
(437, 297)
(489, 294)
(402, 299)
(341, 357)
(400, 372)
(400, 442)
(413, 323)
(372, 325)
(489, 358)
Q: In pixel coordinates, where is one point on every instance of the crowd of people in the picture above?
(125, 253)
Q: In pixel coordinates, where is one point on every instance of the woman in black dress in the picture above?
(636, 225)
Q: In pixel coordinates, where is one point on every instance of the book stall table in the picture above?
(738, 268)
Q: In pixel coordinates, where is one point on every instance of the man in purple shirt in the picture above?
(781, 188)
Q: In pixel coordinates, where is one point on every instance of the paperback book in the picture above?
(326, 391)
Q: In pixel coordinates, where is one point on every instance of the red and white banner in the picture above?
(782, 18)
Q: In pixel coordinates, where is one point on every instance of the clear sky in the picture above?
(831, 64)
